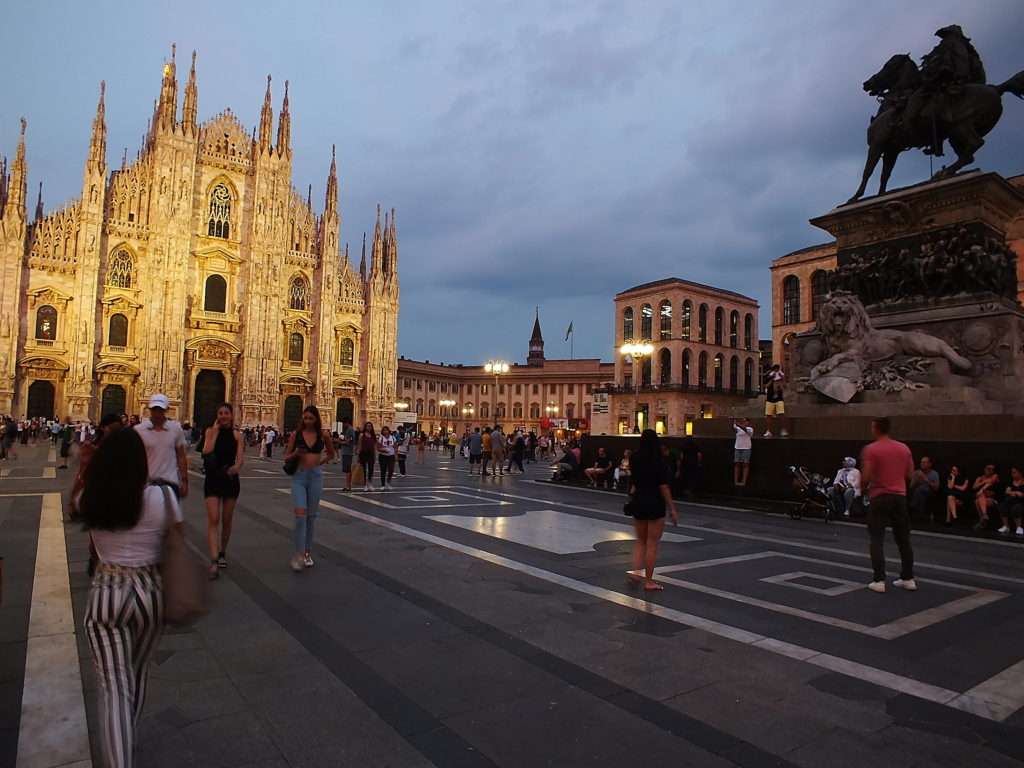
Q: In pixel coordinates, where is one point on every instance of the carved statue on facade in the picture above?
(945, 100)
(860, 354)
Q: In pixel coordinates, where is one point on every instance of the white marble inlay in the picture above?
(790, 580)
(558, 532)
(421, 499)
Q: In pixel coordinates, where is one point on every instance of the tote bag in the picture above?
(184, 577)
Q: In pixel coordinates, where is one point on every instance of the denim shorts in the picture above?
(741, 456)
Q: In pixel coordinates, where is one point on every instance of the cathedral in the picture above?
(197, 271)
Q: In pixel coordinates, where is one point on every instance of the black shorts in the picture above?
(474, 458)
(65, 450)
(346, 462)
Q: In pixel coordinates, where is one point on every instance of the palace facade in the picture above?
(199, 271)
(704, 356)
(539, 395)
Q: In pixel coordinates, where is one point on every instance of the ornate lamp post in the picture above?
(496, 367)
(635, 353)
(446, 405)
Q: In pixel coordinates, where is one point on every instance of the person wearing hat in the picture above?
(846, 487)
(165, 447)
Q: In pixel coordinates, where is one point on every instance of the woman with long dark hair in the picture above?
(127, 519)
(223, 454)
(650, 497)
(367, 451)
(386, 457)
(311, 446)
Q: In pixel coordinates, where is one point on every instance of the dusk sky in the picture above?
(540, 154)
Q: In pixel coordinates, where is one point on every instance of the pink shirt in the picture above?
(889, 463)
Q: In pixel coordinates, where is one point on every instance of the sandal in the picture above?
(653, 586)
(222, 561)
(214, 572)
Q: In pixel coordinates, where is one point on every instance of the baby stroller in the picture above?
(812, 490)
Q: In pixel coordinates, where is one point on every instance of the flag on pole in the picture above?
(568, 331)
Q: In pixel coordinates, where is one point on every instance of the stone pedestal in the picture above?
(929, 259)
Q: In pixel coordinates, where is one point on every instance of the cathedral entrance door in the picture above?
(210, 393)
(40, 399)
(114, 399)
(345, 410)
(292, 412)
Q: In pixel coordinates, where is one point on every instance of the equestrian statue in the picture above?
(947, 99)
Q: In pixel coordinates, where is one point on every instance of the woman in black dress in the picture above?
(223, 453)
(650, 497)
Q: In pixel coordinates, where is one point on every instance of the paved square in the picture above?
(793, 580)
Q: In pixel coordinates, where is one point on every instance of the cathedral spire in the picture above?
(14, 209)
(309, 197)
(167, 104)
(97, 161)
(362, 260)
(331, 197)
(377, 247)
(284, 127)
(266, 120)
(3, 184)
(190, 108)
(536, 354)
(39, 203)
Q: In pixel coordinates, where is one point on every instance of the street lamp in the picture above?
(635, 353)
(401, 407)
(445, 405)
(497, 367)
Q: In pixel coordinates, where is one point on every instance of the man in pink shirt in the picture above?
(888, 468)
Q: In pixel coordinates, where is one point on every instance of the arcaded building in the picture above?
(542, 394)
(197, 270)
(799, 288)
(705, 354)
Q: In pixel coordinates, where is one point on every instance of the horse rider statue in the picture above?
(951, 65)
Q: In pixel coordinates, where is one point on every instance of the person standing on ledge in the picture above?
(888, 469)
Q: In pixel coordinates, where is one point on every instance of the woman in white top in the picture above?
(386, 457)
(124, 616)
(846, 486)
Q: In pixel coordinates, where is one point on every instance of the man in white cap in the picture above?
(165, 447)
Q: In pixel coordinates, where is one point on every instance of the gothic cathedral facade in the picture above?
(197, 271)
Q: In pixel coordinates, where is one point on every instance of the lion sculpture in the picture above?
(854, 344)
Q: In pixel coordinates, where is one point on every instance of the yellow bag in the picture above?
(358, 477)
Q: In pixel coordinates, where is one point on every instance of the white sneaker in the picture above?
(296, 563)
(783, 433)
(367, 488)
(908, 584)
(1004, 529)
(388, 487)
(767, 434)
(307, 560)
(877, 586)
(1019, 531)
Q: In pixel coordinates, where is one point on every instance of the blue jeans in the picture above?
(307, 486)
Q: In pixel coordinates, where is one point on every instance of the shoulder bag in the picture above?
(184, 577)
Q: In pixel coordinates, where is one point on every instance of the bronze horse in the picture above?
(970, 115)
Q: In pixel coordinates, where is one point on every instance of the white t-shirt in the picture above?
(140, 545)
(162, 449)
(270, 437)
(743, 435)
(386, 445)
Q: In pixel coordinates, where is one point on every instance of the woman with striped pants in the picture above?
(124, 617)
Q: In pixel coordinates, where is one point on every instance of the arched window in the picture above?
(734, 374)
(517, 410)
(119, 272)
(570, 410)
(216, 299)
(734, 329)
(702, 324)
(748, 332)
(534, 410)
(791, 300)
(645, 371)
(687, 315)
(419, 407)
(348, 353)
(665, 370)
(819, 291)
(499, 411)
(485, 410)
(627, 324)
(296, 347)
(702, 370)
(665, 312)
(719, 361)
(298, 293)
(46, 323)
(117, 336)
(748, 376)
(646, 322)
(719, 322)
(685, 380)
(219, 223)
(432, 408)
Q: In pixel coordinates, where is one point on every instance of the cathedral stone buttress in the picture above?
(197, 270)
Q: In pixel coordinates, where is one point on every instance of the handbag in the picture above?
(358, 476)
(291, 466)
(185, 582)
